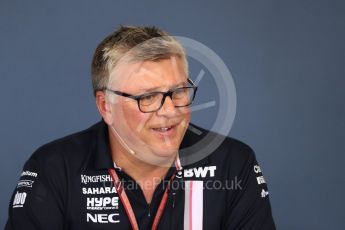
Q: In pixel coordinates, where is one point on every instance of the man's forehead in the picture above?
(146, 75)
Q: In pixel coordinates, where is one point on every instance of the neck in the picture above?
(147, 176)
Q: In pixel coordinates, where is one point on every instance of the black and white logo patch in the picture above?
(102, 218)
(261, 180)
(19, 199)
(257, 169)
(86, 179)
(199, 172)
(264, 193)
(102, 203)
(25, 183)
(99, 190)
(28, 173)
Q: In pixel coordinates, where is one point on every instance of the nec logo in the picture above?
(198, 172)
(102, 218)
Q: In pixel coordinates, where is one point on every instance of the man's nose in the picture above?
(168, 107)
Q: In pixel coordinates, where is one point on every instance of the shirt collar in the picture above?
(102, 151)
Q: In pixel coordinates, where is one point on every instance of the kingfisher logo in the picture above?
(85, 179)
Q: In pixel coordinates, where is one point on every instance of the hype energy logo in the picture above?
(102, 203)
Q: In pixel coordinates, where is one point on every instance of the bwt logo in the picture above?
(102, 218)
(199, 172)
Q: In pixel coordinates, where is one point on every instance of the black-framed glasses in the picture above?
(153, 101)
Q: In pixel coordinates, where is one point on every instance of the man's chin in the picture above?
(166, 153)
(162, 156)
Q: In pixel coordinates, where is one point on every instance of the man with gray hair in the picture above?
(127, 171)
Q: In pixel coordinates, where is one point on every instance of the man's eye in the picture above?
(181, 92)
(148, 99)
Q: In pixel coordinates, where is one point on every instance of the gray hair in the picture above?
(133, 44)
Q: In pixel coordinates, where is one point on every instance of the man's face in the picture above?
(147, 133)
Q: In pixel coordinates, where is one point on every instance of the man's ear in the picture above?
(104, 107)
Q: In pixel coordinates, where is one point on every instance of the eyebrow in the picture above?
(153, 89)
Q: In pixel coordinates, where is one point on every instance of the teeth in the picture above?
(163, 129)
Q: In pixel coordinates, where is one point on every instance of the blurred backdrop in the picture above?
(287, 59)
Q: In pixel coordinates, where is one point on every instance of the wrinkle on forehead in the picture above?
(130, 75)
(122, 71)
(175, 65)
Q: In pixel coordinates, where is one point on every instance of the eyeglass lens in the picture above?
(153, 101)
